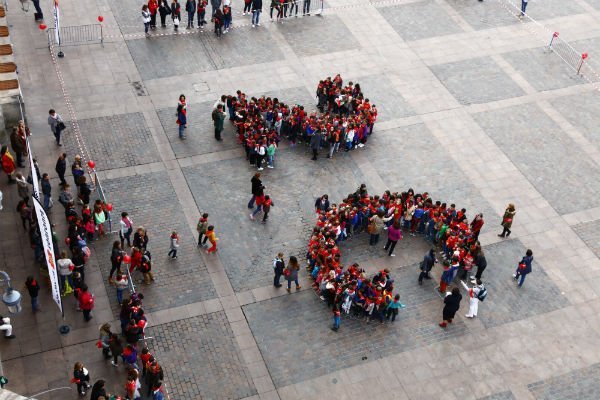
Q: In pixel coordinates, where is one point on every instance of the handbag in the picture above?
(522, 265)
(60, 126)
(371, 228)
(176, 21)
(287, 272)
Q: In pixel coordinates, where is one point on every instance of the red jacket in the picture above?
(86, 301)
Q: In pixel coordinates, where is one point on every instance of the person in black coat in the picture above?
(322, 203)
(278, 267)
(451, 306)
(164, 9)
(426, 265)
(98, 390)
(257, 188)
(315, 143)
(61, 168)
(481, 263)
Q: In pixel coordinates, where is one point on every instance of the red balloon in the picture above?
(126, 259)
(42, 27)
(109, 207)
(91, 164)
(68, 240)
(100, 18)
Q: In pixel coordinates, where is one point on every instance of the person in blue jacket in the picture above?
(523, 268)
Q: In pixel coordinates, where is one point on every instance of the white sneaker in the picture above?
(114, 364)
(261, 168)
(468, 316)
(515, 276)
(268, 166)
(254, 26)
(244, 13)
(252, 217)
(392, 255)
(257, 24)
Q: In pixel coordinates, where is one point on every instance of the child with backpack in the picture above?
(174, 245)
(266, 207)
(476, 294)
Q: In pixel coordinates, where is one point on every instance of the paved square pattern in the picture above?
(537, 146)
(579, 110)
(542, 69)
(248, 247)
(589, 232)
(505, 301)
(116, 141)
(296, 327)
(201, 52)
(443, 180)
(581, 384)
(381, 92)
(333, 36)
(201, 359)
(419, 20)
(477, 80)
(483, 15)
(149, 199)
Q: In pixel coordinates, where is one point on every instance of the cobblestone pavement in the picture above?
(513, 126)
(115, 141)
(478, 80)
(472, 109)
(149, 200)
(203, 359)
(581, 384)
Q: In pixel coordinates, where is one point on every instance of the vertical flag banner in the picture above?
(34, 177)
(56, 23)
(46, 232)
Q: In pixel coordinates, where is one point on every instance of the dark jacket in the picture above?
(190, 6)
(256, 5)
(256, 185)
(527, 260)
(46, 187)
(315, 140)
(176, 10)
(451, 305)
(428, 262)
(164, 8)
(33, 288)
(322, 206)
(61, 167)
(139, 242)
(16, 142)
(279, 266)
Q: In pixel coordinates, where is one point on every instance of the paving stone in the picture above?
(151, 202)
(401, 168)
(477, 80)
(115, 141)
(201, 359)
(296, 327)
(313, 36)
(589, 232)
(483, 15)
(553, 9)
(538, 147)
(201, 52)
(247, 248)
(419, 20)
(543, 69)
(580, 110)
(505, 301)
(381, 92)
(508, 395)
(594, 3)
(581, 384)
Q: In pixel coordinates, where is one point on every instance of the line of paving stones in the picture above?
(580, 384)
(499, 396)
(202, 359)
(151, 202)
(115, 141)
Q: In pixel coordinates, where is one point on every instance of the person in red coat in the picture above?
(476, 225)
(8, 164)
(86, 302)
(152, 8)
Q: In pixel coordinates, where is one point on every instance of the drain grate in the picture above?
(139, 88)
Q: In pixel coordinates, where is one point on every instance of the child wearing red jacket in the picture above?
(212, 238)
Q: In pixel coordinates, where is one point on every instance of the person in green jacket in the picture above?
(271, 154)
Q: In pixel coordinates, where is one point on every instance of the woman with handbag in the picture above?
(291, 274)
(176, 13)
(163, 10)
(56, 125)
(507, 220)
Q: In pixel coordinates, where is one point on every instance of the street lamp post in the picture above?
(11, 297)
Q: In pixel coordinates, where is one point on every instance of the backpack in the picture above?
(482, 294)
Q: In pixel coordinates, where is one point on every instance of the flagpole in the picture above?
(64, 329)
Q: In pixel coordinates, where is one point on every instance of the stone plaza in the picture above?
(473, 109)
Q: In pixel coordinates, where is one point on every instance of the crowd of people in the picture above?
(345, 121)
(349, 290)
(220, 12)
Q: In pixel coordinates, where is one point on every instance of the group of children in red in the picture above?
(350, 290)
(346, 120)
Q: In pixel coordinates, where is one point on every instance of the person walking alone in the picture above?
(524, 268)
(182, 116)
(507, 220)
(174, 245)
(33, 287)
(394, 235)
(56, 125)
(426, 265)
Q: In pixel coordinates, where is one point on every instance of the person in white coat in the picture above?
(473, 297)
